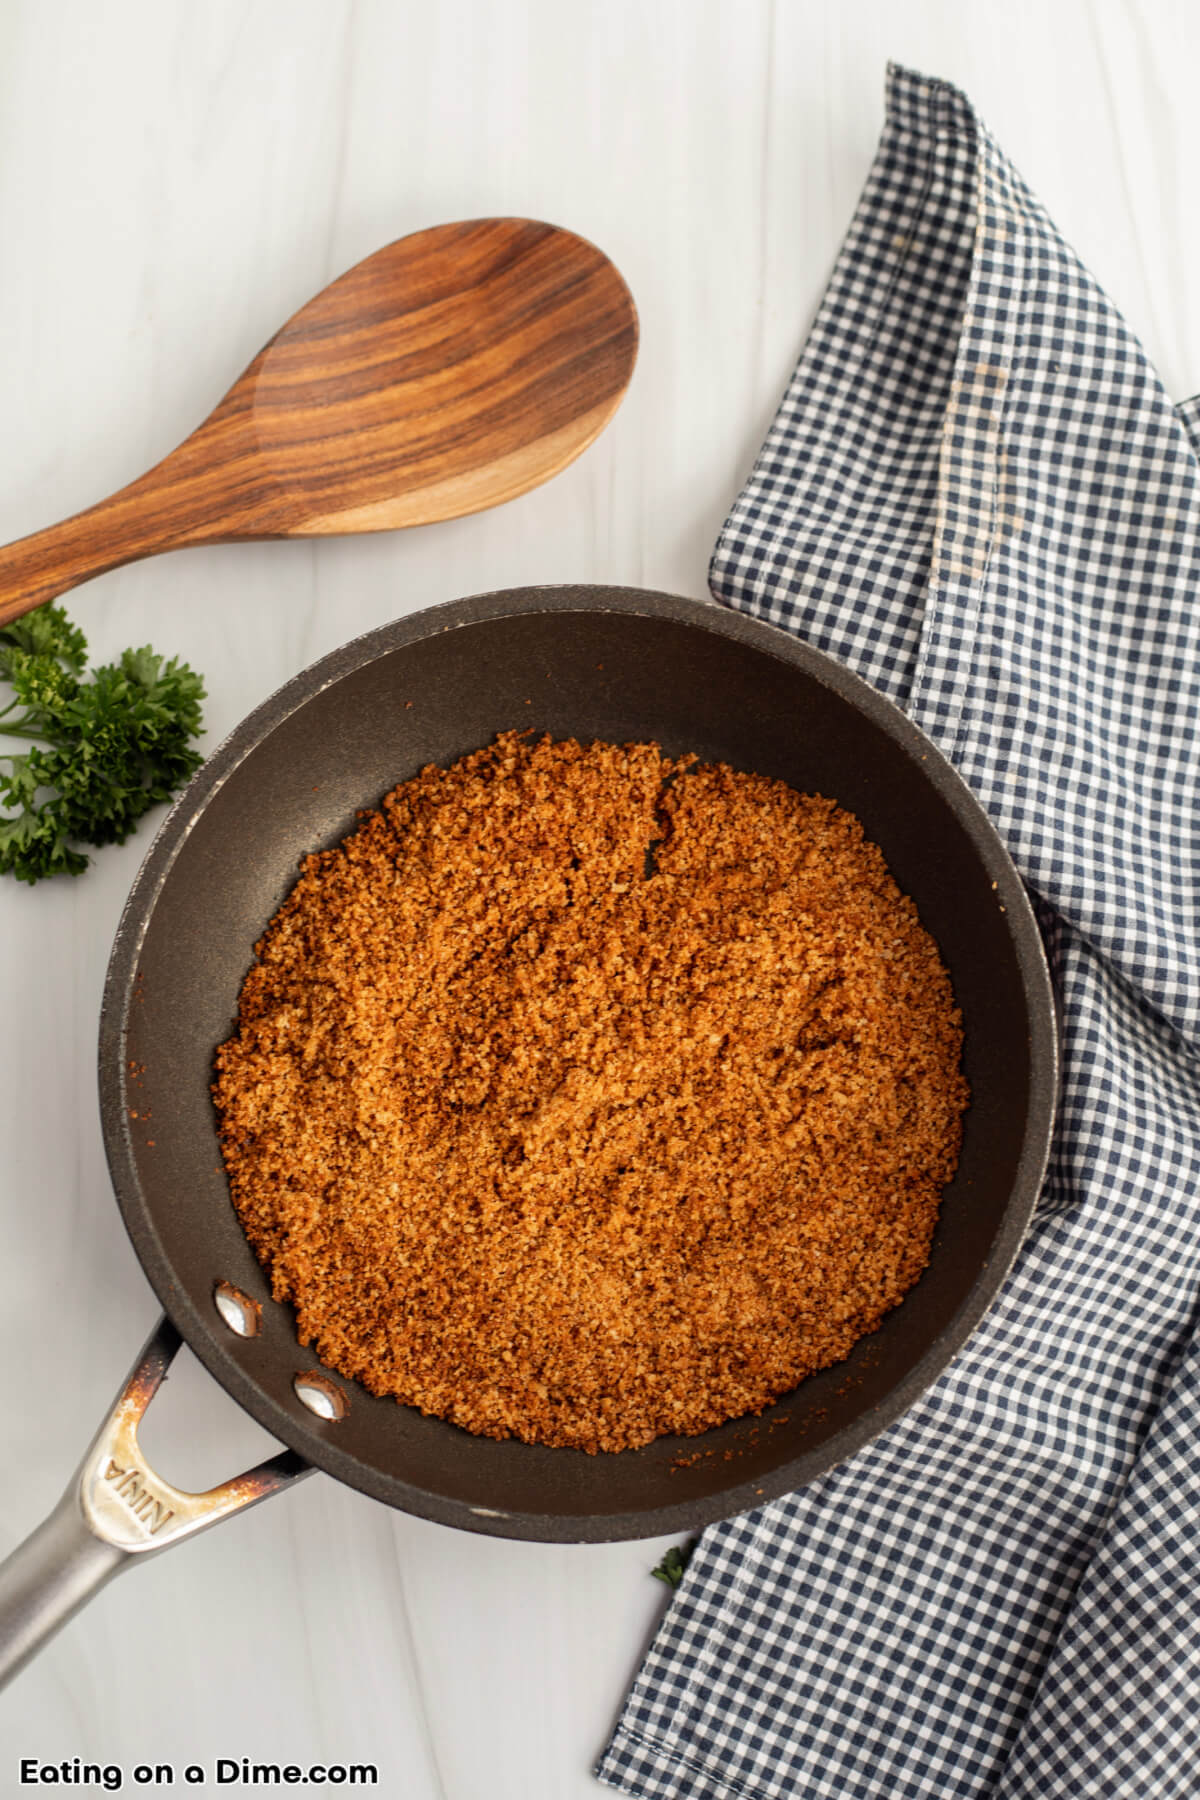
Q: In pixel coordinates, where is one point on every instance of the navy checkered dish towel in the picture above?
(977, 494)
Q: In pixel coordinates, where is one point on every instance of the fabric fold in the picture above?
(974, 445)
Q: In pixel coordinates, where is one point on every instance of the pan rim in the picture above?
(317, 1443)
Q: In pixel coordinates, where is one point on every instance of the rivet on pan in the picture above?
(320, 1395)
(239, 1311)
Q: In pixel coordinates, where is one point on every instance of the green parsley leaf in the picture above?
(671, 1568)
(104, 748)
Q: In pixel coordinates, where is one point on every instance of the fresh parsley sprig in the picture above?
(103, 748)
(673, 1567)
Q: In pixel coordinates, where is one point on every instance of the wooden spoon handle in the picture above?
(47, 563)
(205, 492)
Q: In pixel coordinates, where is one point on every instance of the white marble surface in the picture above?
(174, 180)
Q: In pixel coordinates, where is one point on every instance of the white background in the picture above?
(176, 177)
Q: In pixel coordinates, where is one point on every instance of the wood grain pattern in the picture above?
(451, 371)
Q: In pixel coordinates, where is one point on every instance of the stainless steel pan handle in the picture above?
(115, 1512)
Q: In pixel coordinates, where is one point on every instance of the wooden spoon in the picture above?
(450, 371)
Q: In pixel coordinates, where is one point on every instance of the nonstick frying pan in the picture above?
(590, 662)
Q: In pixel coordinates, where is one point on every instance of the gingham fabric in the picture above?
(978, 495)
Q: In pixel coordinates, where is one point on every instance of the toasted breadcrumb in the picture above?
(580, 1096)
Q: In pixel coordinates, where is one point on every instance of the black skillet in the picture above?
(609, 663)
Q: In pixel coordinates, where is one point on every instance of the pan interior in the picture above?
(591, 664)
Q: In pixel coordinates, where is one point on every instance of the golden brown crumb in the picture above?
(579, 1096)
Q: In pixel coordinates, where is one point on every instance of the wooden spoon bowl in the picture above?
(452, 370)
